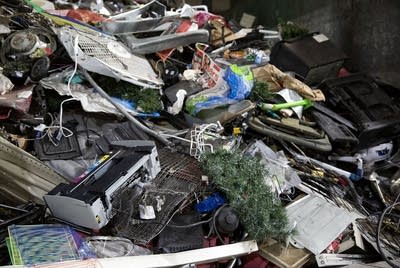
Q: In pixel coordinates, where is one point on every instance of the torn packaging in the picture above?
(91, 101)
(278, 80)
(19, 100)
(201, 61)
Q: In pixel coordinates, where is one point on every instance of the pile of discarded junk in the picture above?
(154, 134)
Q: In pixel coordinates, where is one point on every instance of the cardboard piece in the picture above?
(278, 80)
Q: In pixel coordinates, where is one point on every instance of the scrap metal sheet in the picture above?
(318, 222)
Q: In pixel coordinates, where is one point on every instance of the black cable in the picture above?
(190, 225)
(214, 225)
(212, 220)
(378, 234)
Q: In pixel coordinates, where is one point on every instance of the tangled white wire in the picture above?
(61, 129)
(198, 146)
(197, 140)
(49, 131)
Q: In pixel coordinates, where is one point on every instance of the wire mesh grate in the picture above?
(180, 176)
(112, 57)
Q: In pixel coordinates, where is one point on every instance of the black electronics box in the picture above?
(313, 58)
(361, 100)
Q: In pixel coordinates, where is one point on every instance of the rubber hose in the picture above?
(316, 144)
(124, 112)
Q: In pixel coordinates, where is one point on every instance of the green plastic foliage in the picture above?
(147, 99)
(260, 92)
(241, 179)
(291, 30)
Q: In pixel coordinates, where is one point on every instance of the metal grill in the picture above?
(105, 55)
(98, 48)
(179, 177)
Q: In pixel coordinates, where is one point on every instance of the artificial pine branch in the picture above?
(260, 92)
(241, 179)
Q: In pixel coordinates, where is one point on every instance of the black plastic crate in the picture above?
(313, 58)
(360, 99)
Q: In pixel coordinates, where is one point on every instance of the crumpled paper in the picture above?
(5, 84)
(278, 80)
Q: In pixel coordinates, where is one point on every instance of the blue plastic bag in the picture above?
(240, 81)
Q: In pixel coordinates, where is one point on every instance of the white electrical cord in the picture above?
(48, 131)
(197, 145)
(61, 129)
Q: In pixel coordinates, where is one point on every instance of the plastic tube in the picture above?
(124, 112)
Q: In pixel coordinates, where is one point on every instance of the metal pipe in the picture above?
(124, 112)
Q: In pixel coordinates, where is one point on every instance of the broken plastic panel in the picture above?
(226, 114)
(152, 17)
(375, 113)
(339, 134)
(163, 42)
(298, 55)
(102, 54)
(138, 20)
(152, 9)
(30, 178)
(48, 147)
(124, 26)
(317, 222)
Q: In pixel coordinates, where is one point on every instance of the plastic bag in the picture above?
(209, 98)
(212, 72)
(111, 247)
(240, 81)
(236, 86)
(281, 177)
